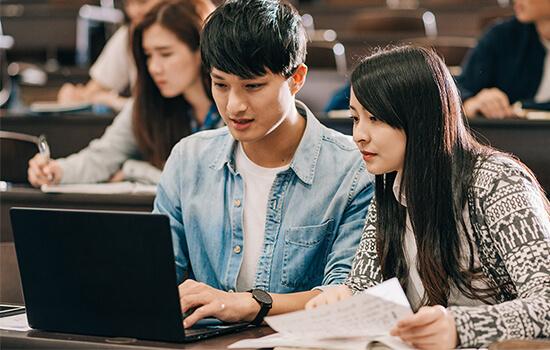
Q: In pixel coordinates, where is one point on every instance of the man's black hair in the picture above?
(247, 38)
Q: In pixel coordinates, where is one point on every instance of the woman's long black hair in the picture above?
(411, 89)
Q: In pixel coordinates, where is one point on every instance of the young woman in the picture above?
(170, 102)
(464, 227)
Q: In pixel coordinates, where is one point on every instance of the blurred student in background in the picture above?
(114, 70)
(510, 63)
(169, 103)
(464, 228)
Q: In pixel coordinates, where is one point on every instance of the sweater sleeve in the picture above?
(365, 270)
(519, 231)
(103, 156)
(141, 171)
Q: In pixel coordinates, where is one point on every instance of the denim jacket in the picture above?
(316, 210)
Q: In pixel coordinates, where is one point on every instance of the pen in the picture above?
(44, 150)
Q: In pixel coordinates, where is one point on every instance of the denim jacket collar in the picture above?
(305, 158)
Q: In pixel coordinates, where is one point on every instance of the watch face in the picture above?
(262, 296)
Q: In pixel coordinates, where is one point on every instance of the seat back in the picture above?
(415, 22)
(16, 150)
(453, 49)
(326, 55)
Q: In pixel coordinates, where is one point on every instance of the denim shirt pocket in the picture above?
(305, 255)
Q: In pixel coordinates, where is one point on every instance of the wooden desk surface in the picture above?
(46, 340)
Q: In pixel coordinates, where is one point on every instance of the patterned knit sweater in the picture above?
(511, 231)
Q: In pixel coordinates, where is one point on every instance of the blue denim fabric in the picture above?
(316, 211)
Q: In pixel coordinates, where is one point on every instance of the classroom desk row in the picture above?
(527, 139)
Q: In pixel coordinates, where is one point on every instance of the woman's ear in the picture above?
(298, 79)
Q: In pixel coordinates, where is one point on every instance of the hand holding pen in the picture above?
(43, 170)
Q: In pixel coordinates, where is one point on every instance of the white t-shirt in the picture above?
(543, 93)
(115, 67)
(257, 186)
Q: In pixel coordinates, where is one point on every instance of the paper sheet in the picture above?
(101, 188)
(15, 323)
(349, 324)
(369, 314)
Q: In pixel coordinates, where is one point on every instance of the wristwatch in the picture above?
(265, 300)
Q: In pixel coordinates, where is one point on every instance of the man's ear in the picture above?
(298, 78)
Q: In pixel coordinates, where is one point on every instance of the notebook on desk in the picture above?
(102, 273)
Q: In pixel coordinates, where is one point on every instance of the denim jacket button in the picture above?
(237, 249)
(237, 202)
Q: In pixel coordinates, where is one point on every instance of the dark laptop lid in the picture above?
(98, 273)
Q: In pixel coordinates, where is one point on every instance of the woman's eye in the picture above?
(254, 86)
(354, 119)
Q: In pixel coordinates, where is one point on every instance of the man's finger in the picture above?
(204, 311)
(189, 301)
(190, 287)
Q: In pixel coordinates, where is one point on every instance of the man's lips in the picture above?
(241, 120)
(240, 124)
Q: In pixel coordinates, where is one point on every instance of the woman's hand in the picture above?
(70, 93)
(119, 176)
(43, 171)
(432, 327)
(329, 296)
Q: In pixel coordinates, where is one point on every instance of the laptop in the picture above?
(102, 273)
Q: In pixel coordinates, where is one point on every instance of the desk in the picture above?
(529, 140)
(46, 340)
(66, 133)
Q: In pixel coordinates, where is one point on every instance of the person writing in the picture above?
(465, 228)
(260, 215)
(509, 64)
(170, 102)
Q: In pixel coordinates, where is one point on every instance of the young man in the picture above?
(272, 206)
